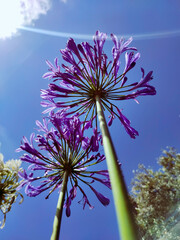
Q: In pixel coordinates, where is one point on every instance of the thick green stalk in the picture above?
(59, 210)
(125, 218)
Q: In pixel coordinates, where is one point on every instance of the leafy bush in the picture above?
(156, 198)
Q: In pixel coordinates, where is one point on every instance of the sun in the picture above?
(10, 17)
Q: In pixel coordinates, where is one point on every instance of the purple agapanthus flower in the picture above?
(88, 73)
(63, 148)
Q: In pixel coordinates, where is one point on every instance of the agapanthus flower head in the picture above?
(62, 148)
(8, 184)
(88, 74)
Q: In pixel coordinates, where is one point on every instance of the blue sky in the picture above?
(157, 118)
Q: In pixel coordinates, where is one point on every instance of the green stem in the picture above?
(125, 218)
(59, 210)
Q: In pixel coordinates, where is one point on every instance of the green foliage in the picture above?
(8, 184)
(156, 198)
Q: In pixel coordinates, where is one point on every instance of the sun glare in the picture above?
(17, 13)
(10, 17)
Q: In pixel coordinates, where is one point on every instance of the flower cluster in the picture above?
(8, 184)
(62, 148)
(89, 74)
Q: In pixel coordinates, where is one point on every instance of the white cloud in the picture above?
(32, 9)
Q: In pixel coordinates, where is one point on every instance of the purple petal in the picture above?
(104, 200)
(106, 182)
(85, 200)
(67, 206)
(126, 123)
(112, 117)
(73, 192)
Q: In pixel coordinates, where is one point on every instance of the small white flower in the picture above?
(13, 165)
